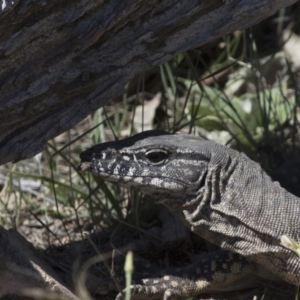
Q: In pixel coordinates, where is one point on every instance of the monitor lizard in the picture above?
(218, 193)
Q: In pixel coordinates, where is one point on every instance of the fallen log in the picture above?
(61, 60)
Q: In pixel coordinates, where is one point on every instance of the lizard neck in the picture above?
(242, 210)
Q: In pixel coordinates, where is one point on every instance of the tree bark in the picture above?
(62, 59)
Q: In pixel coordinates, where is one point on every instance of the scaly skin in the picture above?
(217, 192)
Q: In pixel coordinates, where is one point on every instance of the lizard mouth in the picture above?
(138, 180)
(142, 182)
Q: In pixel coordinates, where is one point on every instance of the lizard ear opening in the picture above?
(157, 156)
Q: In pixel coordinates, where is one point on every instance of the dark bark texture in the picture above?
(62, 59)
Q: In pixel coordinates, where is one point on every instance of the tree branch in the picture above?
(61, 60)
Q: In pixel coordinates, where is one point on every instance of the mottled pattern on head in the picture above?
(156, 163)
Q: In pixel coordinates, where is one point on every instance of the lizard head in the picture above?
(156, 162)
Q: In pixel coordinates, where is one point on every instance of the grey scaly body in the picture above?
(218, 193)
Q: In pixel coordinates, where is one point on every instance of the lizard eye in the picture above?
(157, 156)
